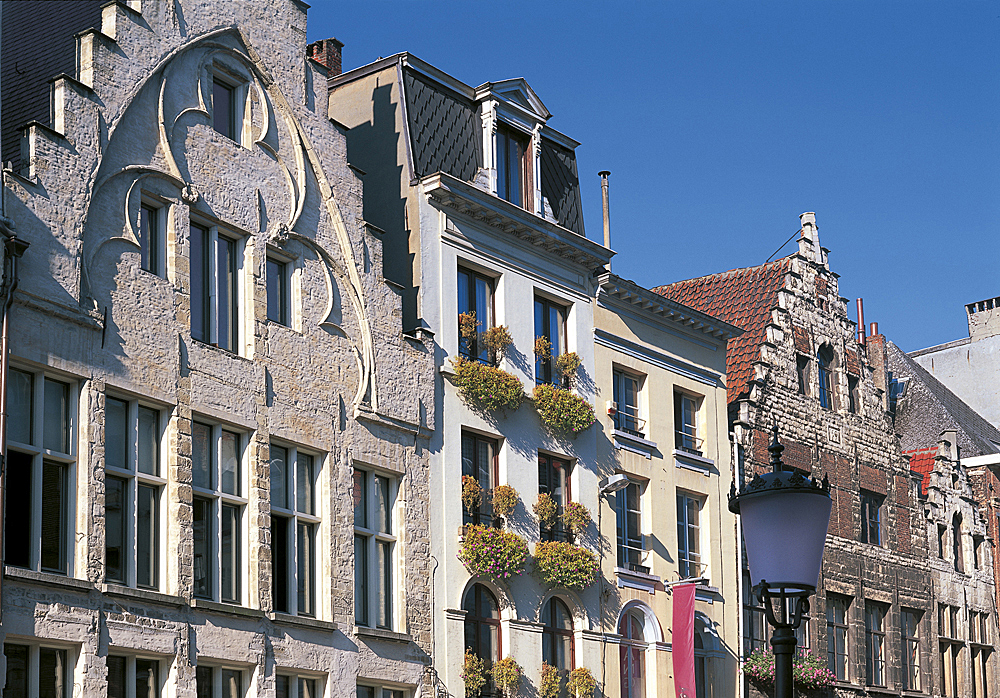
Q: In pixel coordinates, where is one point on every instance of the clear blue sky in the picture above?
(722, 121)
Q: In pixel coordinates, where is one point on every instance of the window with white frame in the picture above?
(910, 645)
(41, 453)
(133, 486)
(365, 691)
(374, 548)
(626, 397)
(152, 238)
(550, 325)
(291, 686)
(515, 181)
(836, 635)
(219, 503)
(133, 677)
(279, 290)
(216, 268)
(875, 658)
(686, 430)
(219, 682)
(629, 534)
(689, 557)
(475, 315)
(294, 526)
(32, 670)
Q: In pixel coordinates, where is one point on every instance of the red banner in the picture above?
(683, 641)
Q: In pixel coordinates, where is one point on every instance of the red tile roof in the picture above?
(741, 297)
(922, 462)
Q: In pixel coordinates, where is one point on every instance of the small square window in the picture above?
(278, 291)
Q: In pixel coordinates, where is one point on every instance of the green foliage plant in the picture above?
(582, 683)
(562, 411)
(504, 500)
(543, 348)
(496, 340)
(468, 328)
(493, 552)
(472, 494)
(562, 564)
(488, 388)
(550, 682)
(473, 674)
(576, 517)
(507, 675)
(546, 510)
(568, 364)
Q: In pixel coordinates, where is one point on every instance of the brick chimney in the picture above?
(327, 53)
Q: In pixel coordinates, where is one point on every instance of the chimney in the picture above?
(809, 238)
(873, 330)
(327, 53)
(984, 319)
(604, 174)
(861, 321)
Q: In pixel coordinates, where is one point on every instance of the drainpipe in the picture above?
(604, 174)
(14, 247)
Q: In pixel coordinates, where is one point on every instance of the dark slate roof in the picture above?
(561, 185)
(922, 463)
(928, 407)
(37, 44)
(741, 297)
(443, 129)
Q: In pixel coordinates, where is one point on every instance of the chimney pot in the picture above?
(328, 53)
(861, 321)
(874, 329)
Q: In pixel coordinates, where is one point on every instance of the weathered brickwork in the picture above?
(334, 378)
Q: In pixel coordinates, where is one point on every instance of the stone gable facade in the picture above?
(210, 359)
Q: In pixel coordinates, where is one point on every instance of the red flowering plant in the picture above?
(808, 670)
(493, 552)
(566, 565)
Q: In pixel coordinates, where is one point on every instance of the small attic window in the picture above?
(513, 167)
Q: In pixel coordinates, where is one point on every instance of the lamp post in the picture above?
(785, 517)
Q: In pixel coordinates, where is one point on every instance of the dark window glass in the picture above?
(385, 584)
(958, 552)
(53, 673)
(56, 428)
(203, 680)
(360, 490)
(308, 688)
(277, 291)
(17, 535)
(279, 562)
(802, 373)
(626, 397)
(853, 394)
(149, 238)
(479, 462)
(281, 687)
(232, 684)
(306, 570)
(117, 677)
(871, 517)
(557, 636)
(279, 477)
(361, 580)
(383, 505)
(115, 490)
(203, 559)
(554, 480)
(512, 170)
(116, 434)
(632, 656)
(17, 671)
(54, 503)
(826, 391)
(227, 309)
(147, 537)
(910, 640)
(874, 644)
(550, 323)
(147, 681)
(230, 462)
(366, 692)
(230, 576)
(20, 406)
(629, 533)
(689, 536)
(149, 441)
(836, 635)
(475, 296)
(202, 456)
(200, 280)
(482, 628)
(304, 484)
(686, 424)
(224, 109)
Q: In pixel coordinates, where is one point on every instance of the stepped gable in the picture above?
(741, 297)
(922, 462)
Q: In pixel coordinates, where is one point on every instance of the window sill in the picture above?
(638, 580)
(633, 443)
(226, 608)
(47, 579)
(142, 594)
(706, 593)
(302, 622)
(379, 634)
(216, 348)
(690, 461)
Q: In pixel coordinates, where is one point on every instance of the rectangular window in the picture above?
(686, 436)
(910, 641)
(297, 687)
(380, 692)
(871, 517)
(981, 650)
(294, 523)
(479, 461)
(224, 109)
(836, 635)
(626, 396)
(942, 533)
(132, 677)
(756, 629)
(853, 394)
(133, 486)
(629, 534)
(689, 536)
(513, 170)
(218, 682)
(874, 643)
(217, 477)
(44, 672)
(374, 548)
(40, 458)
(554, 480)
(802, 373)
(475, 309)
(278, 291)
(151, 238)
(950, 647)
(550, 324)
(825, 360)
(216, 264)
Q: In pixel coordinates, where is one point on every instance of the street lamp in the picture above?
(785, 516)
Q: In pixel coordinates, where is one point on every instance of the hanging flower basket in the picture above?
(550, 682)
(582, 683)
(546, 510)
(486, 387)
(576, 517)
(472, 494)
(566, 565)
(562, 411)
(507, 675)
(808, 670)
(504, 500)
(473, 674)
(493, 552)
(568, 364)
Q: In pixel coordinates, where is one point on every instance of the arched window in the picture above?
(482, 629)
(825, 359)
(702, 643)
(632, 652)
(557, 636)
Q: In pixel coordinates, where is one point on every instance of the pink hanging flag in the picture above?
(683, 641)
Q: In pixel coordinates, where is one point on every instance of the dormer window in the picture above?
(224, 108)
(513, 167)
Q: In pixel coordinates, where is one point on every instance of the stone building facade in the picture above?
(799, 365)
(205, 363)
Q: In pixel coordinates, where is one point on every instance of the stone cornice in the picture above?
(481, 206)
